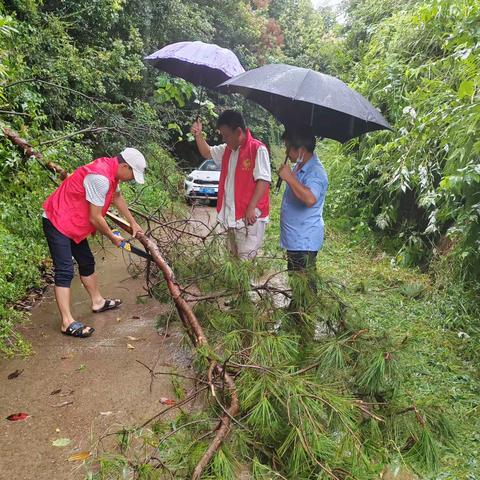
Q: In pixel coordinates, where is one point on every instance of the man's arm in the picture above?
(203, 146)
(97, 220)
(260, 188)
(122, 207)
(303, 193)
(263, 177)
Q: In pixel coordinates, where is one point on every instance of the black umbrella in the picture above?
(301, 97)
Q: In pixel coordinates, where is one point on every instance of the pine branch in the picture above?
(189, 319)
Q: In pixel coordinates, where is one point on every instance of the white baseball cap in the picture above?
(137, 161)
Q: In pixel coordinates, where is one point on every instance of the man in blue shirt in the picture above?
(301, 215)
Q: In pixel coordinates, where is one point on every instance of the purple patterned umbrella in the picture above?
(200, 63)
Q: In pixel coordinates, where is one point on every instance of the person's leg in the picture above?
(249, 239)
(296, 261)
(90, 284)
(311, 268)
(86, 267)
(231, 242)
(61, 253)
(260, 236)
(299, 260)
(302, 263)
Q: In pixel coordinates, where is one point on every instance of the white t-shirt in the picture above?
(96, 189)
(261, 171)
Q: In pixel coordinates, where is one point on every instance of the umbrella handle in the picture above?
(279, 181)
(199, 109)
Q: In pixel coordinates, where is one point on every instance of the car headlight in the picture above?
(190, 178)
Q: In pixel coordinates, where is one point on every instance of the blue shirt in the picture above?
(302, 227)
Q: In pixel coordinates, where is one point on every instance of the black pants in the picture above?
(303, 262)
(298, 261)
(62, 249)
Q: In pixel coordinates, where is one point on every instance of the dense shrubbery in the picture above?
(421, 183)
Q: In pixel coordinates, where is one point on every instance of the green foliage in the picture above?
(173, 89)
(378, 392)
(386, 380)
(363, 18)
(310, 37)
(420, 183)
(21, 254)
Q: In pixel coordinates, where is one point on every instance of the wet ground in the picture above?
(83, 389)
(80, 389)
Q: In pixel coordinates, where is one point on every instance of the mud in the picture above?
(102, 386)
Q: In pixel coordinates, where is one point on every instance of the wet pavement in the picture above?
(80, 389)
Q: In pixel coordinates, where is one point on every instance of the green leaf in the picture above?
(466, 89)
(162, 82)
(61, 442)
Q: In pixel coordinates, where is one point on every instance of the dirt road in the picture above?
(99, 384)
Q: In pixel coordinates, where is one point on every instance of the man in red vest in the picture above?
(243, 191)
(75, 210)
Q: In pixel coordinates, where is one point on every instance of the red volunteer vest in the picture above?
(244, 181)
(67, 207)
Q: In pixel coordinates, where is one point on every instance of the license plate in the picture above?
(208, 191)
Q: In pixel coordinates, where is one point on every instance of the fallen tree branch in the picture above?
(188, 317)
(11, 112)
(28, 151)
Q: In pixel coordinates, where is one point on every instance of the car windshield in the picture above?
(209, 166)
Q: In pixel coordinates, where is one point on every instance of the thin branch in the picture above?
(74, 134)
(172, 407)
(11, 112)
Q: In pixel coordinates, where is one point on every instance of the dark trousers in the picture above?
(298, 261)
(62, 249)
(302, 262)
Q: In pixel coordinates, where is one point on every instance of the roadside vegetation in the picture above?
(391, 379)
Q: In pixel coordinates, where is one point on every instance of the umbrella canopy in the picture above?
(301, 97)
(200, 63)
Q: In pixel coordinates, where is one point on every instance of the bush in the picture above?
(421, 182)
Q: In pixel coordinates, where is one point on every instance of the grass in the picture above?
(427, 313)
(439, 366)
